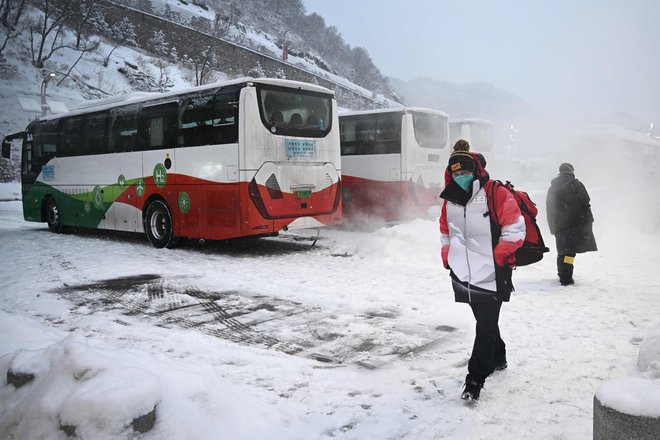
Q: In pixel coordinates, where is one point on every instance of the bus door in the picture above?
(157, 127)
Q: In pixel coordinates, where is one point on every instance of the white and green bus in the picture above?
(246, 157)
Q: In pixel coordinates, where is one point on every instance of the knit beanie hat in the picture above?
(461, 158)
(566, 168)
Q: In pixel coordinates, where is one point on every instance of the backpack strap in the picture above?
(491, 201)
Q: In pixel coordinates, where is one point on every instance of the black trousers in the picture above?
(489, 349)
(565, 267)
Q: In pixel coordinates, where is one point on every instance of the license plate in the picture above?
(304, 194)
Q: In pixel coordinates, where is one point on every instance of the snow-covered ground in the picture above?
(357, 337)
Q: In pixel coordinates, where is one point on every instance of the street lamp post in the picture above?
(285, 46)
(512, 139)
(44, 84)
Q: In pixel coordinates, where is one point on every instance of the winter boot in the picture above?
(500, 365)
(565, 269)
(472, 389)
(499, 360)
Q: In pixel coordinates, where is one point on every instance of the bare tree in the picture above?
(226, 19)
(203, 64)
(11, 25)
(84, 16)
(123, 34)
(161, 48)
(11, 12)
(47, 32)
(204, 60)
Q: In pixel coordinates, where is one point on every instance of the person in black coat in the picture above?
(570, 220)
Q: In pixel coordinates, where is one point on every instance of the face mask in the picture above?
(464, 180)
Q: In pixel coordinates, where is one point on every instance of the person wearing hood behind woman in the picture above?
(478, 252)
(570, 220)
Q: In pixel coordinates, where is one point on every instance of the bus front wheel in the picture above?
(158, 226)
(53, 217)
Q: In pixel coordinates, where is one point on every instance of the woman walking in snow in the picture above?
(478, 253)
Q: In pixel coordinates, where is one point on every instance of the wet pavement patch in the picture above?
(257, 320)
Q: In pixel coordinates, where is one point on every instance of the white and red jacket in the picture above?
(468, 245)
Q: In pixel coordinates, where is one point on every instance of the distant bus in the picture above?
(613, 148)
(393, 162)
(478, 132)
(247, 157)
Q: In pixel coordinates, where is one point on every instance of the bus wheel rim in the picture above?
(158, 226)
(53, 215)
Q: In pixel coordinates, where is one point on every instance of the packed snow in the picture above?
(355, 337)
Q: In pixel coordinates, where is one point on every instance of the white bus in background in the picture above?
(393, 162)
(600, 152)
(478, 132)
(247, 157)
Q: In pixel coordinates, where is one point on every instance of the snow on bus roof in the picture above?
(471, 121)
(394, 110)
(617, 133)
(136, 97)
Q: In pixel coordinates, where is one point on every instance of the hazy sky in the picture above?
(597, 55)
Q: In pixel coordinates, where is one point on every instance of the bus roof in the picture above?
(616, 133)
(396, 110)
(471, 121)
(136, 97)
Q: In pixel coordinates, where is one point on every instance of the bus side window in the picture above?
(195, 121)
(388, 134)
(157, 126)
(123, 129)
(70, 140)
(225, 120)
(366, 137)
(95, 133)
(347, 137)
(209, 119)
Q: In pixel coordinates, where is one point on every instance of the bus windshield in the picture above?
(430, 130)
(295, 112)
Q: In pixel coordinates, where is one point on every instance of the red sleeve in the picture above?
(444, 229)
(508, 211)
(444, 235)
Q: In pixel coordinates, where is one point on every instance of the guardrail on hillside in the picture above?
(235, 59)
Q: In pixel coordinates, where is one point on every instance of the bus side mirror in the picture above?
(6, 149)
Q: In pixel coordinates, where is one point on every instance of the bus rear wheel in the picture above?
(53, 216)
(158, 226)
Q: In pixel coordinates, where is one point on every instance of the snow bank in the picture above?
(101, 390)
(649, 354)
(634, 396)
(637, 396)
